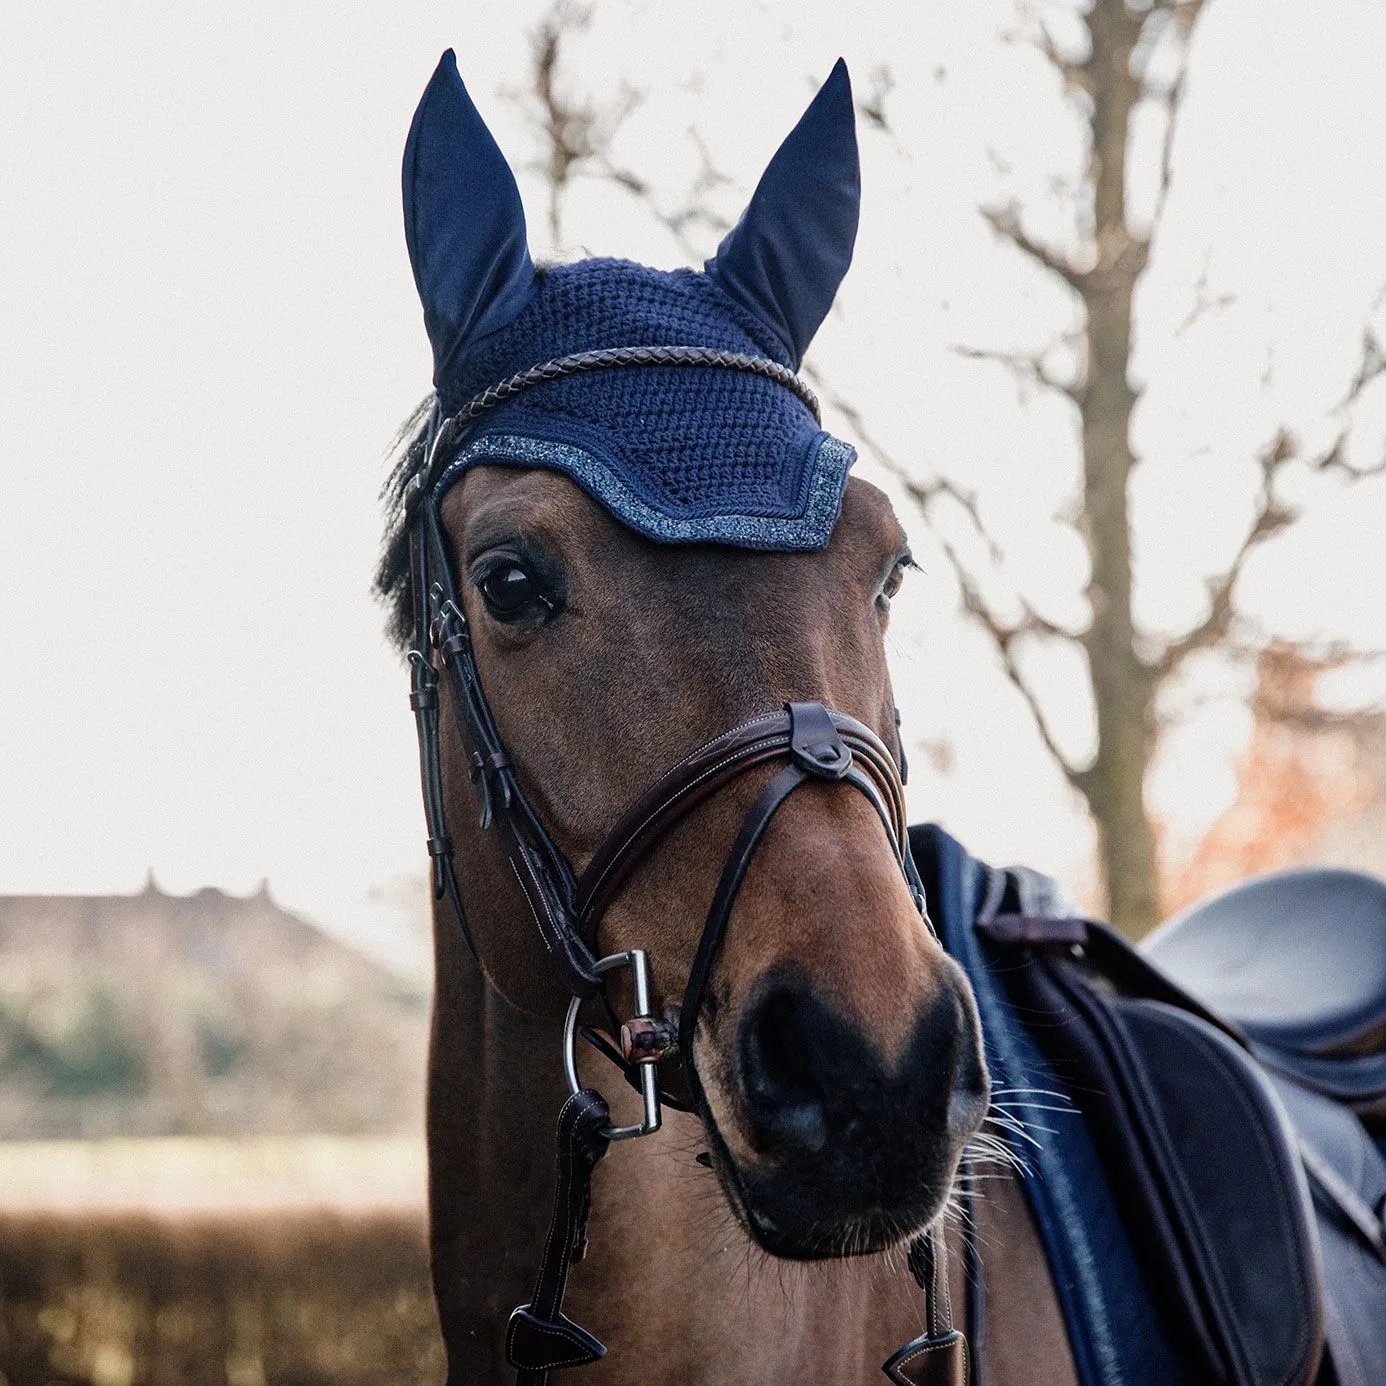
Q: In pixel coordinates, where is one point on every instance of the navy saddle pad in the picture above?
(1198, 1149)
(1252, 1204)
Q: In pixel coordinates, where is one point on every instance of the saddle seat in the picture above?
(1297, 960)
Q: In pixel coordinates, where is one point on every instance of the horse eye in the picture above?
(892, 583)
(512, 594)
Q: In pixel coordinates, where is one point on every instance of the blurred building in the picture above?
(205, 1014)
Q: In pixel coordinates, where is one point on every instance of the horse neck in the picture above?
(494, 1089)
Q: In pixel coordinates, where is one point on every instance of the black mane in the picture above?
(392, 575)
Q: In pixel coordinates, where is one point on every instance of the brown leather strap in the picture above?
(938, 1357)
(819, 747)
(540, 1337)
(929, 1361)
(685, 785)
(753, 827)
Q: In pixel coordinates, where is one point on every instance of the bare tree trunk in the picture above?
(1126, 667)
(1122, 684)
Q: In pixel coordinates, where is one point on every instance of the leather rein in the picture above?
(813, 744)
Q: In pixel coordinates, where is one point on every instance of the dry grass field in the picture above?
(215, 1263)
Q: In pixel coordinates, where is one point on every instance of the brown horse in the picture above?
(827, 981)
(645, 612)
(832, 1062)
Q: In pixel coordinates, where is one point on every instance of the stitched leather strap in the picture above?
(753, 828)
(541, 870)
(929, 1361)
(540, 1338)
(938, 1357)
(698, 776)
(821, 744)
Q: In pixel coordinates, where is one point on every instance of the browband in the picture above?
(451, 430)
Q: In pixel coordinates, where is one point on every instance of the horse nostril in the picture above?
(784, 1097)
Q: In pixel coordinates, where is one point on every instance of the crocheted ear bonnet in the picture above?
(679, 454)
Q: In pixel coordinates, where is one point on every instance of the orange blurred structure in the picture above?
(1311, 785)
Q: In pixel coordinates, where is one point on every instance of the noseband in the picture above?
(811, 742)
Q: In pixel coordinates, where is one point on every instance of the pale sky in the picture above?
(210, 334)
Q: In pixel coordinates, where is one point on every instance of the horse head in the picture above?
(644, 554)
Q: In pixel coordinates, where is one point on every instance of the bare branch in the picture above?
(1005, 637)
(575, 133)
(872, 105)
(924, 494)
(1250, 640)
(1271, 516)
(1333, 459)
(1288, 674)
(1075, 74)
(691, 212)
(1322, 719)
(1005, 221)
(577, 138)
(1180, 16)
(998, 161)
(565, 125)
(1172, 99)
(1269, 519)
(1372, 364)
(1030, 368)
(1204, 303)
(939, 752)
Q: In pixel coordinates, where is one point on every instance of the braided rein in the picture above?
(455, 426)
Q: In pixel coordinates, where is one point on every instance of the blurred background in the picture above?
(1112, 341)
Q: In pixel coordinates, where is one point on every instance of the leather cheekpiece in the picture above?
(540, 1338)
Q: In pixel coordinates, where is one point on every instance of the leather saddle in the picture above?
(1224, 1073)
(1298, 961)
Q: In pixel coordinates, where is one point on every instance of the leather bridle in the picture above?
(810, 742)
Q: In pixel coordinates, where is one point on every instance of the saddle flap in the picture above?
(1348, 1175)
(1214, 1196)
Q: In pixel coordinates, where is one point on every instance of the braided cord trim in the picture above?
(455, 425)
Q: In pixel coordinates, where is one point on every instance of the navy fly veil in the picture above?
(679, 455)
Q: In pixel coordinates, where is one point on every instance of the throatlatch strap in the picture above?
(540, 1338)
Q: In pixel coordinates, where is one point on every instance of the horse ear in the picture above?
(463, 222)
(787, 255)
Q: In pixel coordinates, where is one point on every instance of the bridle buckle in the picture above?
(639, 963)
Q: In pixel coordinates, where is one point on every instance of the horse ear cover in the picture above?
(708, 456)
(789, 252)
(463, 222)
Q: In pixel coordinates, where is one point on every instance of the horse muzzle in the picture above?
(839, 1152)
